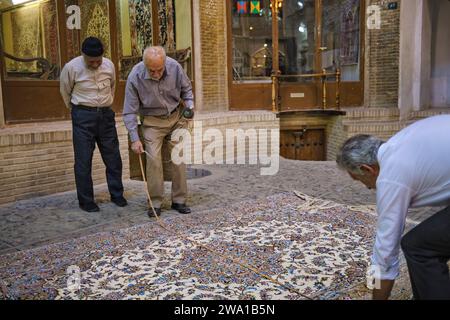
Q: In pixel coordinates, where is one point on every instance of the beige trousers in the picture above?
(157, 130)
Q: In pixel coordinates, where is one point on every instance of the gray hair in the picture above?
(358, 150)
(154, 51)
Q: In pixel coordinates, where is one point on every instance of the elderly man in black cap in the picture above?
(87, 86)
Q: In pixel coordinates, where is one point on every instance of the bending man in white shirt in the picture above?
(412, 169)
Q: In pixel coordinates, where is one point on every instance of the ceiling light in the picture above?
(19, 1)
(302, 28)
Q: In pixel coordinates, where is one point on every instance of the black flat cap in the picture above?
(92, 47)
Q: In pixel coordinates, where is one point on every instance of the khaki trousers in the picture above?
(158, 130)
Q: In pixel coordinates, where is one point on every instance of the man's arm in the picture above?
(113, 81)
(186, 88)
(130, 114)
(66, 83)
(131, 109)
(393, 201)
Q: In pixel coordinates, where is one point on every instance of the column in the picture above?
(197, 52)
(2, 113)
(415, 57)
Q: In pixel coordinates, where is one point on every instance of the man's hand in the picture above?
(137, 147)
(384, 292)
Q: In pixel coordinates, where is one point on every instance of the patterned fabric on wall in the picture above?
(25, 29)
(166, 16)
(95, 22)
(133, 29)
(50, 31)
(350, 32)
(35, 46)
(140, 25)
(141, 34)
(72, 36)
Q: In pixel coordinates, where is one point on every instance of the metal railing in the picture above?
(276, 99)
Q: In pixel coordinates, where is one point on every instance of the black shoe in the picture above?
(121, 202)
(151, 214)
(181, 208)
(90, 207)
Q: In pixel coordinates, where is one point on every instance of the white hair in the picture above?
(154, 51)
(357, 151)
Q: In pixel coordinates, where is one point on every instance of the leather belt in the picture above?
(164, 116)
(93, 109)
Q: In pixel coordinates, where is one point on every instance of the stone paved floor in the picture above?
(40, 221)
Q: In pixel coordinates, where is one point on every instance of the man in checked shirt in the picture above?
(155, 89)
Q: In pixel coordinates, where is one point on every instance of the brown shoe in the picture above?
(151, 214)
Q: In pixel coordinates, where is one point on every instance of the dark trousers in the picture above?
(90, 126)
(427, 251)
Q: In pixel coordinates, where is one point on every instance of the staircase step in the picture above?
(382, 122)
(429, 113)
(372, 114)
(378, 126)
(381, 129)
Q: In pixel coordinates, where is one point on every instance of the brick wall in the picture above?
(382, 58)
(2, 113)
(213, 55)
(382, 122)
(336, 136)
(247, 121)
(37, 160)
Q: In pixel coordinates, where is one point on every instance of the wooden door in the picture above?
(303, 144)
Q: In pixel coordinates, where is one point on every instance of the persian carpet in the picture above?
(302, 248)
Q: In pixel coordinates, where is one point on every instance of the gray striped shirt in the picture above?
(147, 97)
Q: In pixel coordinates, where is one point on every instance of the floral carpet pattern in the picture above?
(306, 250)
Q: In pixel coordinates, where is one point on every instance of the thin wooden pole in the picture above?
(324, 89)
(275, 54)
(274, 93)
(338, 89)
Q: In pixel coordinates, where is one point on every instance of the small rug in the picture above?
(301, 248)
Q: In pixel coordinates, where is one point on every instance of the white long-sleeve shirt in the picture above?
(414, 172)
(83, 86)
